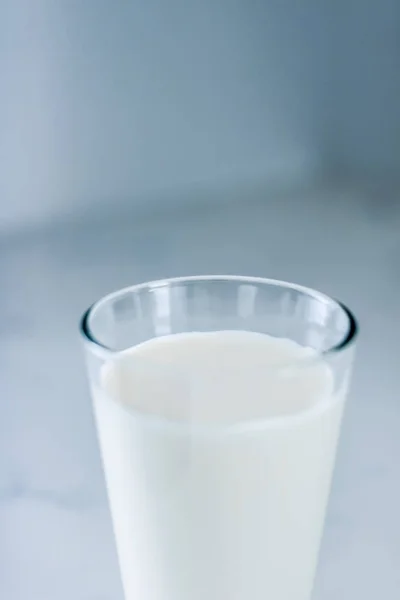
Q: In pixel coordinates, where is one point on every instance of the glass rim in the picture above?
(346, 341)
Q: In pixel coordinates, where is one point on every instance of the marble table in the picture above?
(55, 534)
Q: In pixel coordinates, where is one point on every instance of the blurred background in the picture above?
(142, 139)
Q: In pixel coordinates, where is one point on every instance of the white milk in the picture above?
(218, 452)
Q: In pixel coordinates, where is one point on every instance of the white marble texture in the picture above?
(55, 534)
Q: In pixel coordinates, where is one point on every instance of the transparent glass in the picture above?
(230, 508)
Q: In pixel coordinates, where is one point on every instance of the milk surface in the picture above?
(218, 450)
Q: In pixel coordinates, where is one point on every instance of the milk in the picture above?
(218, 450)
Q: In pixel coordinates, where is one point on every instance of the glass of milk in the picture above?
(218, 403)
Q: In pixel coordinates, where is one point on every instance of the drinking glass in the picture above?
(231, 509)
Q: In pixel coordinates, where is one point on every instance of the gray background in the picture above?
(151, 139)
(117, 101)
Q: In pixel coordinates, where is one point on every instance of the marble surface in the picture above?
(55, 533)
